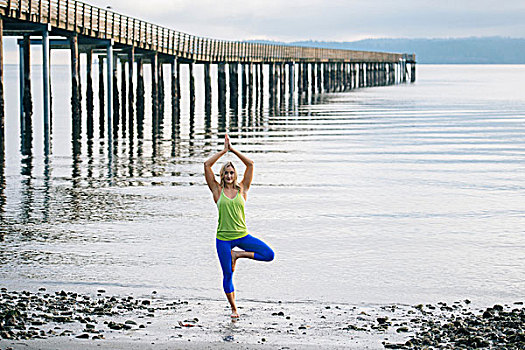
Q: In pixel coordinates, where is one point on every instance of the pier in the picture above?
(116, 39)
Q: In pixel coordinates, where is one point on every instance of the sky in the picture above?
(330, 20)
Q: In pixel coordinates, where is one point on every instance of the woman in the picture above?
(231, 231)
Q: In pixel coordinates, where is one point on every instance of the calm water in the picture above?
(410, 193)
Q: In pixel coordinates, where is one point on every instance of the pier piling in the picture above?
(207, 89)
(221, 85)
(27, 103)
(123, 97)
(109, 106)
(131, 97)
(291, 79)
(89, 93)
(2, 108)
(140, 98)
(154, 92)
(101, 95)
(234, 85)
(175, 113)
(192, 87)
(250, 84)
(116, 100)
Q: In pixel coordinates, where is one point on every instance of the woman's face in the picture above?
(229, 174)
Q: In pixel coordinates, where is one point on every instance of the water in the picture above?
(407, 194)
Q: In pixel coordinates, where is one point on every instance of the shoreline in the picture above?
(64, 320)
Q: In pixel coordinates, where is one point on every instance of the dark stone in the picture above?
(402, 329)
(382, 320)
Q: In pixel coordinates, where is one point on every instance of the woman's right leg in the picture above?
(225, 258)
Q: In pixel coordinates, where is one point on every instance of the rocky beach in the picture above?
(45, 319)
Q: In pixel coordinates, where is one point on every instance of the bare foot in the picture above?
(235, 314)
(234, 260)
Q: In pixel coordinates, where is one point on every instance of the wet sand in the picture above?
(68, 320)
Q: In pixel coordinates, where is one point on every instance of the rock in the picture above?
(488, 313)
(402, 329)
(83, 336)
(62, 319)
(130, 322)
(382, 320)
(498, 307)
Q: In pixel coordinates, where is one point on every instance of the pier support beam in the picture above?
(413, 72)
(131, 97)
(405, 71)
(282, 87)
(221, 86)
(319, 78)
(25, 79)
(325, 77)
(192, 88)
(46, 89)
(305, 78)
(244, 85)
(299, 79)
(291, 78)
(2, 107)
(270, 81)
(207, 89)
(234, 85)
(109, 108)
(101, 96)
(140, 102)
(261, 81)
(75, 97)
(155, 92)
(175, 110)
(271, 84)
(342, 80)
(89, 93)
(250, 84)
(123, 93)
(313, 81)
(333, 77)
(162, 94)
(116, 100)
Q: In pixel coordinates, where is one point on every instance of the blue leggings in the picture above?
(260, 250)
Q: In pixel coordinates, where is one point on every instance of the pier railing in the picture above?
(95, 22)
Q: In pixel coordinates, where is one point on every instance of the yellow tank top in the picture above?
(232, 223)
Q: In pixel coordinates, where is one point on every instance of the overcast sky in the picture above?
(332, 20)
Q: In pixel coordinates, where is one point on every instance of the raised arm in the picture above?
(248, 173)
(208, 172)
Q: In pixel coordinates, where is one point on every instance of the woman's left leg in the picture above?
(253, 248)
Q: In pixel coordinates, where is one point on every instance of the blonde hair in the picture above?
(223, 173)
